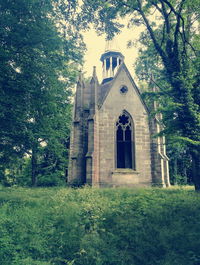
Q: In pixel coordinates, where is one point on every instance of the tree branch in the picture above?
(166, 17)
(157, 7)
(156, 44)
(163, 34)
(177, 29)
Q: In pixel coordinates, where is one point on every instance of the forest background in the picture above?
(41, 51)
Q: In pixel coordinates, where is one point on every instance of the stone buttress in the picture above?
(83, 161)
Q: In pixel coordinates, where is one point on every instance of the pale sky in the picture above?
(96, 46)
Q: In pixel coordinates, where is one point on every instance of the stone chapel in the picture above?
(112, 141)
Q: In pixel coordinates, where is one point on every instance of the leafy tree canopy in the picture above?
(40, 49)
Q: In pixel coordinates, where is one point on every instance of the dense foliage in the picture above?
(40, 49)
(99, 226)
(154, 87)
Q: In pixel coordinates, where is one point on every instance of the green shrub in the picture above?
(179, 179)
(99, 226)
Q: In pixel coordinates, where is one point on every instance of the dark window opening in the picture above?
(120, 134)
(107, 63)
(124, 143)
(114, 62)
(124, 89)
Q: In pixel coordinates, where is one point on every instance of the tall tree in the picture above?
(151, 73)
(175, 40)
(40, 48)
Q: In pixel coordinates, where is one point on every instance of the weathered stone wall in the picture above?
(109, 112)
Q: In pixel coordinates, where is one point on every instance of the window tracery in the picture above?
(124, 140)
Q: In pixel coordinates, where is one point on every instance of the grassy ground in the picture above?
(99, 226)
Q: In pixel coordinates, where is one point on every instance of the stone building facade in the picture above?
(112, 141)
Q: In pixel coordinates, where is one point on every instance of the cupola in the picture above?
(111, 60)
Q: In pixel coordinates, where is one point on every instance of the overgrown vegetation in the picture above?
(99, 226)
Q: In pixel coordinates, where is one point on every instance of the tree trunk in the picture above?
(196, 169)
(34, 167)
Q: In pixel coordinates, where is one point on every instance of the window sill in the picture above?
(125, 171)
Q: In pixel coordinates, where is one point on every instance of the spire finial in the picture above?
(80, 76)
(94, 72)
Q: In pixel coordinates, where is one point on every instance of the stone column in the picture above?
(160, 168)
(166, 165)
(104, 68)
(117, 67)
(159, 142)
(156, 158)
(106, 72)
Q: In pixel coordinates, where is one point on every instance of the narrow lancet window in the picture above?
(125, 157)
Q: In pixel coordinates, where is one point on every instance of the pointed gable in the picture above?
(105, 88)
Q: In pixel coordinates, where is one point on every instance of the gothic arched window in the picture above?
(125, 147)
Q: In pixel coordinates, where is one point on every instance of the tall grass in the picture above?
(99, 226)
